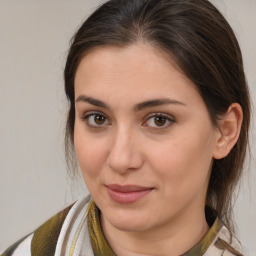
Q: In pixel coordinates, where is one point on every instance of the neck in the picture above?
(172, 239)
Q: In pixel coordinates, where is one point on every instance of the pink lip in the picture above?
(127, 194)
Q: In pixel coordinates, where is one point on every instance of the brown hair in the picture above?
(203, 45)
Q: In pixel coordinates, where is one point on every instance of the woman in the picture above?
(159, 116)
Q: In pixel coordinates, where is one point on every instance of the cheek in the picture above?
(183, 164)
(90, 152)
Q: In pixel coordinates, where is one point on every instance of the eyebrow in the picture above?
(156, 102)
(92, 101)
(137, 107)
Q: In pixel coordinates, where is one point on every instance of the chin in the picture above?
(128, 221)
(130, 226)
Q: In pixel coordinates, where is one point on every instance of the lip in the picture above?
(127, 194)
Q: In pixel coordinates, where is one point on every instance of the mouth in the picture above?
(127, 194)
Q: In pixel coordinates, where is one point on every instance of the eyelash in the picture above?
(166, 118)
(94, 114)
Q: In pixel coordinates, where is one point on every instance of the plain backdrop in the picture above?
(34, 39)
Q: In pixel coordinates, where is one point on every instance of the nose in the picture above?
(124, 154)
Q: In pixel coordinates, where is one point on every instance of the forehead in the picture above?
(140, 55)
(138, 70)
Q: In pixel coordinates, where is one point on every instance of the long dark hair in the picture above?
(204, 46)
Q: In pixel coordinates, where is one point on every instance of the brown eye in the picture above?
(99, 119)
(160, 121)
(96, 120)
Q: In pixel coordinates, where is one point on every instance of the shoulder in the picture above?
(43, 240)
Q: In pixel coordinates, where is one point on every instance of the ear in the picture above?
(229, 131)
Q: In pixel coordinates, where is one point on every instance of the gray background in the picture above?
(34, 38)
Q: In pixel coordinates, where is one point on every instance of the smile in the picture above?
(127, 194)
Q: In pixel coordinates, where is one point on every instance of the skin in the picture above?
(128, 146)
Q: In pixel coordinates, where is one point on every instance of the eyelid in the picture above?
(159, 114)
(88, 114)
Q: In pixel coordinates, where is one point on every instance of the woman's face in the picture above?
(143, 137)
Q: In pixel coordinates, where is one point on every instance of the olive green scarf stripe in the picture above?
(223, 245)
(46, 236)
(99, 244)
(204, 244)
(12, 248)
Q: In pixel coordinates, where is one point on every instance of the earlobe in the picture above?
(229, 131)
